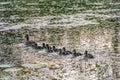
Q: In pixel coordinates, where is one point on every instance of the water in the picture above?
(80, 24)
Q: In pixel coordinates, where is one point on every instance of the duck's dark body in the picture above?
(60, 52)
(48, 49)
(55, 49)
(90, 56)
(75, 54)
(65, 52)
(30, 43)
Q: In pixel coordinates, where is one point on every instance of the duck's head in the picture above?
(54, 47)
(60, 50)
(86, 52)
(43, 44)
(27, 37)
(64, 49)
(74, 51)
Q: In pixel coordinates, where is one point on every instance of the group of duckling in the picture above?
(51, 49)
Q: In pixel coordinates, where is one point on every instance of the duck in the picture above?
(43, 45)
(49, 49)
(46, 46)
(75, 54)
(65, 52)
(40, 47)
(30, 43)
(55, 49)
(90, 56)
(61, 52)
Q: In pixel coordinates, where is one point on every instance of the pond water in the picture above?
(80, 24)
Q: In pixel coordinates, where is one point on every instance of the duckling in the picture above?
(41, 47)
(38, 47)
(44, 45)
(88, 55)
(34, 45)
(60, 52)
(66, 52)
(49, 48)
(75, 54)
(54, 49)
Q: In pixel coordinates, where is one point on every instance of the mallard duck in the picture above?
(44, 45)
(30, 43)
(48, 49)
(54, 49)
(75, 54)
(88, 55)
(65, 52)
(60, 52)
(27, 37)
